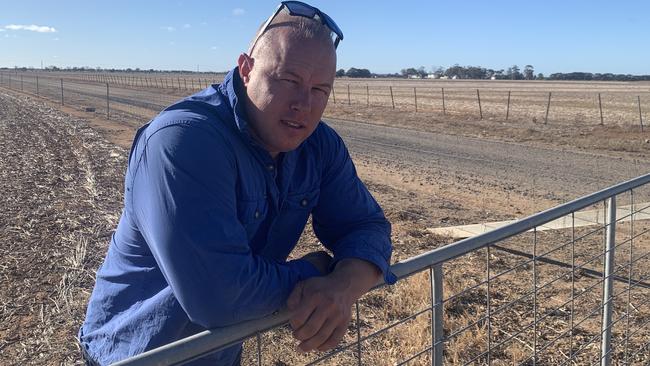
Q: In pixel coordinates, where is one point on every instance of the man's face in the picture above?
(288, 85)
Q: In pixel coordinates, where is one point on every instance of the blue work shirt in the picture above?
(209, 220)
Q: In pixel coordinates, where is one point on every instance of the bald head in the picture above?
(287, 30)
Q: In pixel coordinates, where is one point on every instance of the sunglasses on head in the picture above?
(298, 8)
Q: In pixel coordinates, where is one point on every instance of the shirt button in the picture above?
(257, 214)
(304, 202)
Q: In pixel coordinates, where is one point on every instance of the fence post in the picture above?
(37, 93)
(508, 107)
(185, 83)
(548, 105)
(600, 107)
(391, 96)
(444, 111)
(21, 82)
(638, 98)
(333, 94)
(437, 331)
(108, 106)
(478, 97)
(349, 102)
(415, 96)
(62, 92)
(608, 284)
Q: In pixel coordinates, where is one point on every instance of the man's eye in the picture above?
(291, 81)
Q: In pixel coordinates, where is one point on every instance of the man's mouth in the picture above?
(292, 124)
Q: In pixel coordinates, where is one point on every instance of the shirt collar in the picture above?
(231, 87)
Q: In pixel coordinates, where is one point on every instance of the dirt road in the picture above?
(553, 173)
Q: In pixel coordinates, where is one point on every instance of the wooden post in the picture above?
(179, 82)
(508, 107)
(638, 98)
(392, 99)
(548, 106)
(21, 82)
(333, 94)
(62, 92)
(349, 102)
(478, 97)
(444, 110)
(367, 95)
(600, 107)
(415, 96)
(108, 106)
(37, 92)
(185, 83)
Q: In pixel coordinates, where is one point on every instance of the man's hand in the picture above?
(321, 306)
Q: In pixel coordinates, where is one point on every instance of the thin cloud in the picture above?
(186, 26)
(238, 11)
(2, 30)
(31, 28)
(213, 47)
(56, 39)
(168, 28)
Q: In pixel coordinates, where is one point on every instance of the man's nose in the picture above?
(302, 101)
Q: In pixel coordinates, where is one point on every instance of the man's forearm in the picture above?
(358, 275)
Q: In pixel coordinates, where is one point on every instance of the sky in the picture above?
(382, 36)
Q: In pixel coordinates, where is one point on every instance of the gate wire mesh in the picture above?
(532, 296)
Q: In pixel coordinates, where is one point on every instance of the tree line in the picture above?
(513, 72)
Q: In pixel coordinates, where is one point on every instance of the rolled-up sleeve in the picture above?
(347, 219)
(184, 201)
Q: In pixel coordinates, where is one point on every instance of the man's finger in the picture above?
(314, 324)
(334, 339)
(323, 333)
(301, 312)
(296, 295)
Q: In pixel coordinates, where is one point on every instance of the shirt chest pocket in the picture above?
(251, 213)
(290, 223)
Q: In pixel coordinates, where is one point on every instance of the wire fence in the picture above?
(565, 103)
(518, 295)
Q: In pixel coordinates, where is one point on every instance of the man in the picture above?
(217, 192)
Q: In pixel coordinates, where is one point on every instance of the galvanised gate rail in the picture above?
(622, 310)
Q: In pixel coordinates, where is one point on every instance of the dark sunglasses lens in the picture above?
(298, 8)
(332, 25)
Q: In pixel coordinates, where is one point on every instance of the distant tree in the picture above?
(529, 72)
(410, 71)
(340, 73)
(513, 73)
(540, 76)
(357, 73)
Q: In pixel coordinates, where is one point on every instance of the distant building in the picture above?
(432, 76)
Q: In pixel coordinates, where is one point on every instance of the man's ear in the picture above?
(245, 64)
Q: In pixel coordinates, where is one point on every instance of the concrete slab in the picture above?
(581, 218)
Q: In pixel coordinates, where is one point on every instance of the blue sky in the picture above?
(383, 36)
